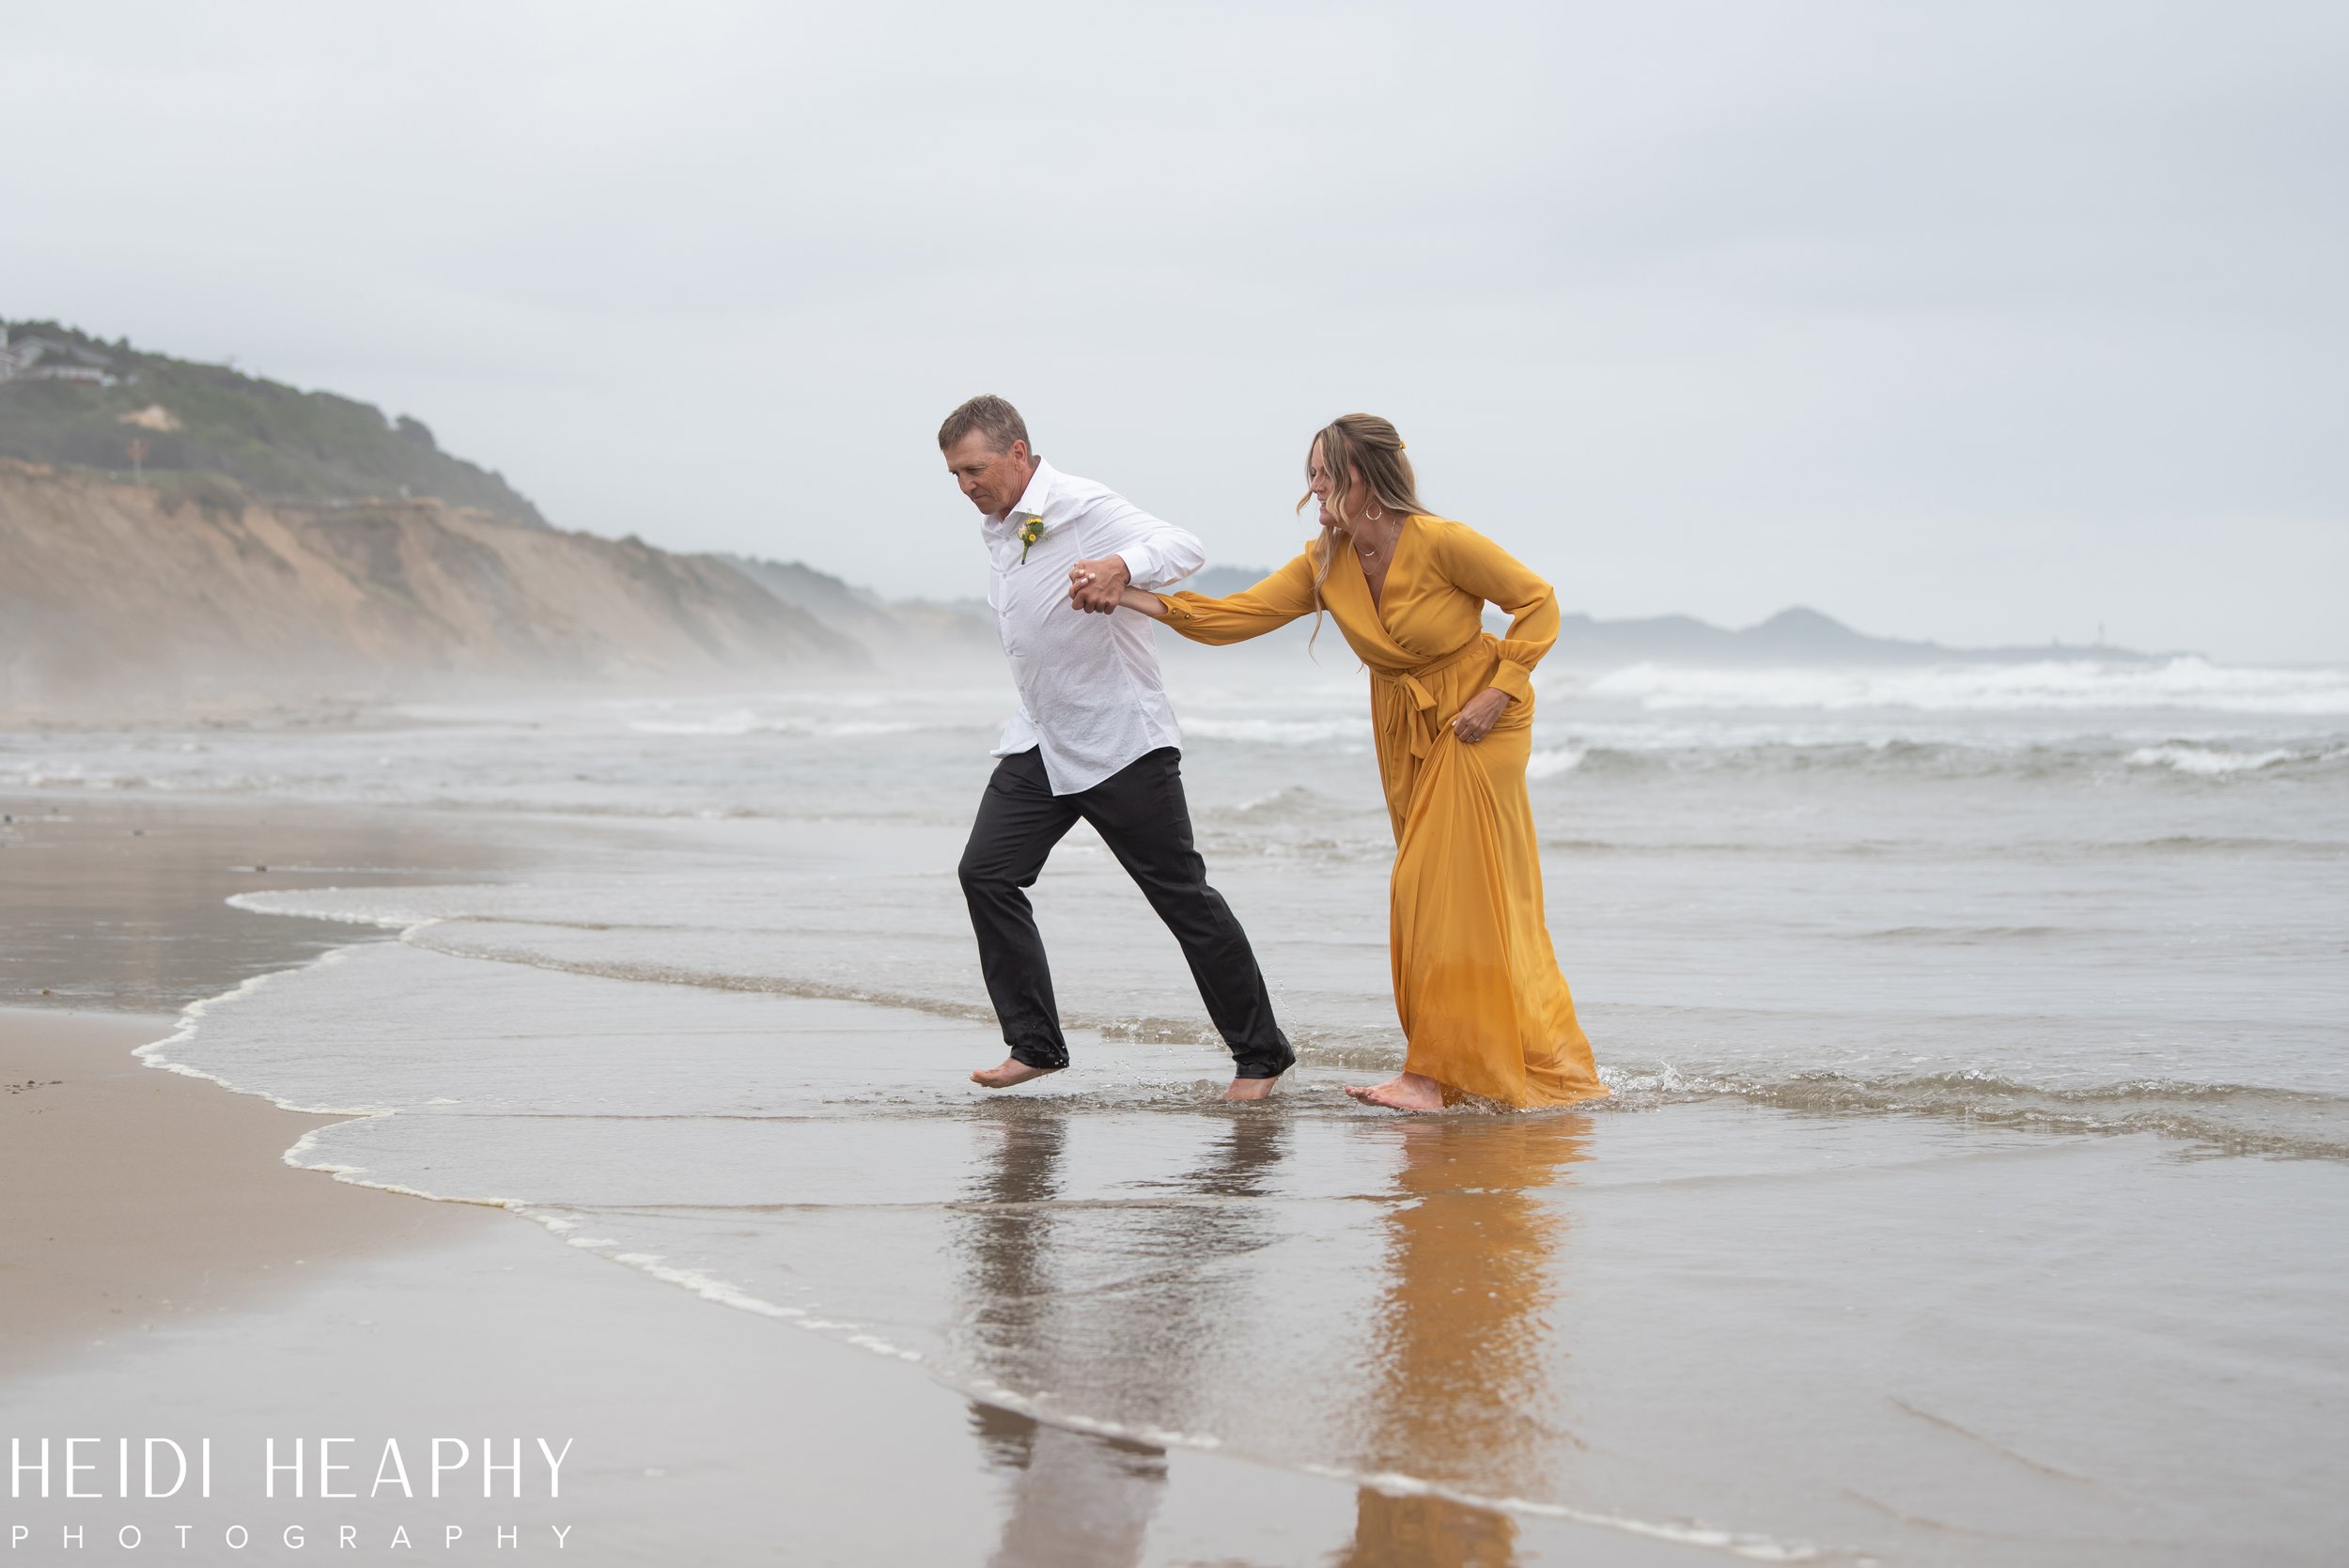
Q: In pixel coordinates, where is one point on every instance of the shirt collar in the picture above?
(1032, 501)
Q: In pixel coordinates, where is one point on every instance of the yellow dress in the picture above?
(1484, 1008)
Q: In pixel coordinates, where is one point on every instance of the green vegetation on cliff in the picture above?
(81, 402)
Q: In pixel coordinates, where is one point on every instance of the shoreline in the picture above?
(188, 1281)
(240, 1299)
(139, 1195)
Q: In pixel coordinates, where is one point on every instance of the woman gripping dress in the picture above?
(1484, 1008)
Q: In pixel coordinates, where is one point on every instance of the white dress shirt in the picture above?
(1090, 696)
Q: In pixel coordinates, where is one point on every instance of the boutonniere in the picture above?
(1030, 532)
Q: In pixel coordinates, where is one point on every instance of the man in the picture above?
(1095, 739)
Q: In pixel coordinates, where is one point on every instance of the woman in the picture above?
(1484, 1008)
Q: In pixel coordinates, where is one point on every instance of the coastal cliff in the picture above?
(179, 590)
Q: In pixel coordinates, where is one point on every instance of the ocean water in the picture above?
(1972, 1189)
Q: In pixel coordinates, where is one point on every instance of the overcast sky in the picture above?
(1979, 321)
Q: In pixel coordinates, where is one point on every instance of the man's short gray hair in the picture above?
(988, 415)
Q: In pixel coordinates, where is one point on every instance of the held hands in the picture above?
(1097, 586)
(1477, 715)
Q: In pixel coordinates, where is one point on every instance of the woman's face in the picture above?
(1317, 475)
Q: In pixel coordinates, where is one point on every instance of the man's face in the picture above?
(993, 480)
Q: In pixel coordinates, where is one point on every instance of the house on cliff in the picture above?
(30, 357)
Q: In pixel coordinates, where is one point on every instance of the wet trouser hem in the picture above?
(1257, 1064)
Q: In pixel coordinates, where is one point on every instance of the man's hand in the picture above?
(1095, 585)
(1476, 716)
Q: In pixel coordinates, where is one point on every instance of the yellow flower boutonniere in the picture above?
(1030, 532)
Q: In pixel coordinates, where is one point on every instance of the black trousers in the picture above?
(1142, 815)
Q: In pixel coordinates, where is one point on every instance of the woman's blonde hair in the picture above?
(1352, 446)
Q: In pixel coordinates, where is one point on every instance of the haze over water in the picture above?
(1977, 1036)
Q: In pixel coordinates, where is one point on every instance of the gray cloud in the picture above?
(1980, 321)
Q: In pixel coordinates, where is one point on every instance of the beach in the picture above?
(1977, 1127)
(189, 1285)
(170, 1274)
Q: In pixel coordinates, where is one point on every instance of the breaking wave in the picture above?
(2211, 762)
(744, 722)
(2219, 1118)
(1620, 754)
(2064, 686)
(1349, 734)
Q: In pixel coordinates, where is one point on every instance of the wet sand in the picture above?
(119, 902)
(137, 1198)
(164, 1273)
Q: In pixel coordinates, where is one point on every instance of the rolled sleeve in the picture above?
(1513, 680)
(1157, 554)
(1159, 562)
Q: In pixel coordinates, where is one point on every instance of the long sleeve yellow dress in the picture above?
(1483, 1009)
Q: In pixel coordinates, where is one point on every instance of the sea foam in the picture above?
(2185, 683)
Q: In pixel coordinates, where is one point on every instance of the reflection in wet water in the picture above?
(1456, 1376)
(1078, 1497)
(1461, 1354)
(1452, 1376)
(1427, 1533)
(1075, 1497)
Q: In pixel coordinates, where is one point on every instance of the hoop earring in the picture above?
(1379, 516)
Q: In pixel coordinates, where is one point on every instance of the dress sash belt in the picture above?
(1418, 707)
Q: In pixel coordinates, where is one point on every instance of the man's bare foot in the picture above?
(1409, 1092)
(1250, 1089)
(1012, 1071)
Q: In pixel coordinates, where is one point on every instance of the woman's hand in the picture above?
(1090, 589)
(1478, 714)
(1094, 586)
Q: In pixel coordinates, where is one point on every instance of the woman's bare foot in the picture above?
(1012, 1071)
(1250, 1089)
(1409, 1092)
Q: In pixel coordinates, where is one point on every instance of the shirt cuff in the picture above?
(1514, 679)
(1175, 608)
